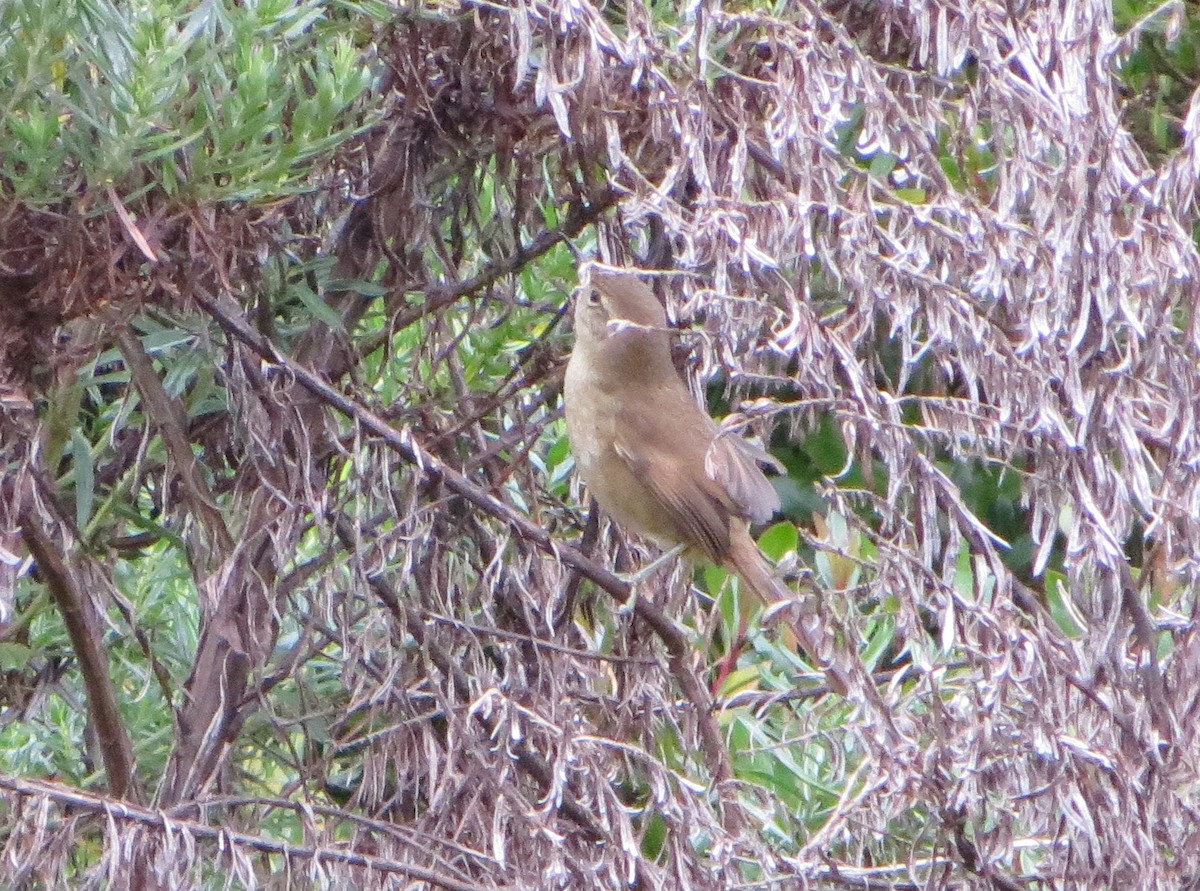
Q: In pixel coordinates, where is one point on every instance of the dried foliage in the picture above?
(294, 463)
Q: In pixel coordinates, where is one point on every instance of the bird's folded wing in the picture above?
(732, 463)
(694, 503)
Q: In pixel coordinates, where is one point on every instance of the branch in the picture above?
(677, 644)
(168, 415)
(120, 810)
(531, 763)
(579, 216)
(79, 617)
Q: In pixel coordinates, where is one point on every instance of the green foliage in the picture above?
(209, 102)
(1162, 71)
(239, 102)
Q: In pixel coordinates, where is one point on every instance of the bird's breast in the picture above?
(593, 415)
(591, 418)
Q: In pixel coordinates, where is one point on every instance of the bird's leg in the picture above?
(633, 579)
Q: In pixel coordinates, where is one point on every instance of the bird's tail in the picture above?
(801, 625)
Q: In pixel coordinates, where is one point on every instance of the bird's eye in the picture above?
(593, 297)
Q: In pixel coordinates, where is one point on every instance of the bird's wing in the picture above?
(674, 475)
(733, 463)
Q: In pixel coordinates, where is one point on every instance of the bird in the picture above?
(657, 463)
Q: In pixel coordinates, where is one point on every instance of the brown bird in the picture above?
(655, 461)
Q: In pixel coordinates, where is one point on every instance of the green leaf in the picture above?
(85, 478)
(964, 575)
(14, 655)
(360, 287)
(839, 532)
(61, 417)
(780, 540)
(826, 447)
(714, 578)
(1058, 602)
(739, 679)
(849, 130)
(912, 196)
(882, 164)
(881, 636)
(314, 304)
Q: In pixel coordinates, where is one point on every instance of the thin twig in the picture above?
(402, 442)
(114, 809)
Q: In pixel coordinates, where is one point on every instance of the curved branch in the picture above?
(83, 627)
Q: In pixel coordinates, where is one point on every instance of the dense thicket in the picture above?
(297, 587)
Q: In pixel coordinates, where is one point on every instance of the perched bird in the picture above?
(655, 461)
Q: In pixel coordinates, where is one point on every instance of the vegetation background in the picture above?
(296, 586)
